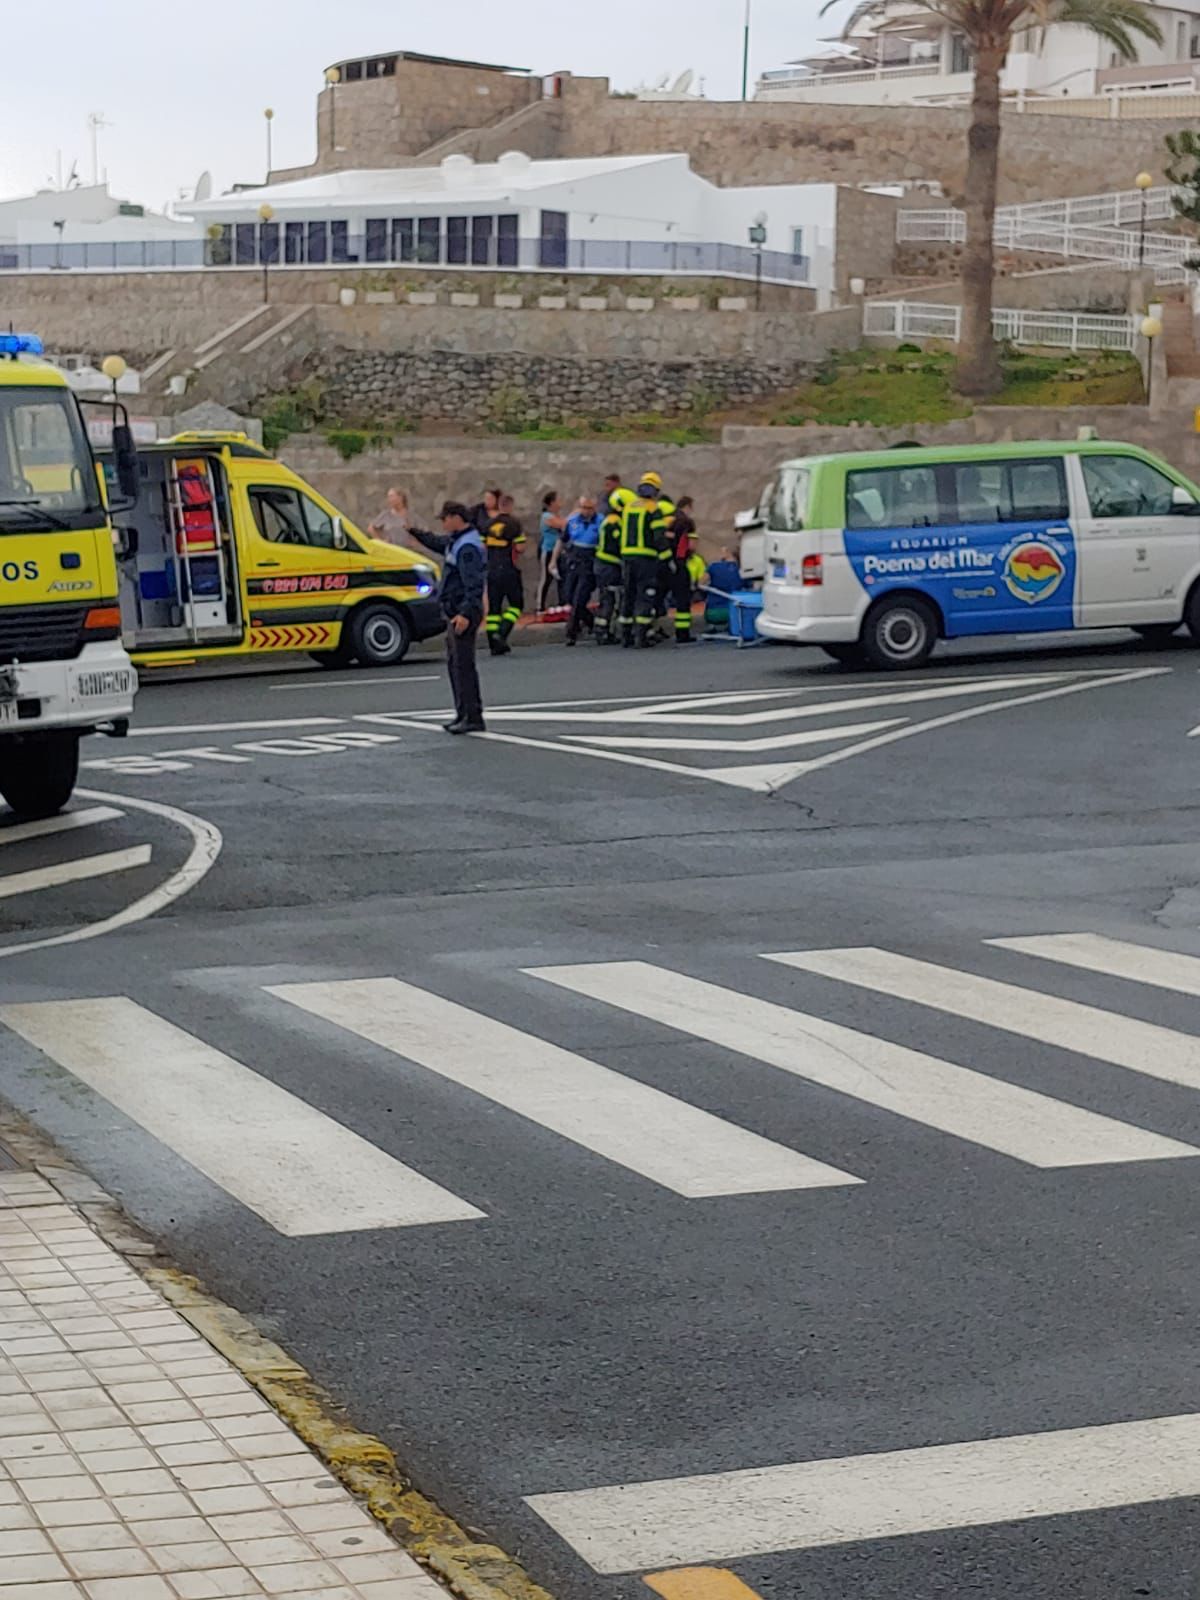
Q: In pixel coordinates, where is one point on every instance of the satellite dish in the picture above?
(684, 82)
(204, 187)
(663, 81)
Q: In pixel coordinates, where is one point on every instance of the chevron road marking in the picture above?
(67, 823)
(62, 872)
(987, 1111)
(298, 1169)
(805, 1505)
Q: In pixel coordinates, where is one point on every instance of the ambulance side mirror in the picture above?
(340, 541)
(125, 461)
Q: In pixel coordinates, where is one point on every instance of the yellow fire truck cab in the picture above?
(227, 552)
(63, 669)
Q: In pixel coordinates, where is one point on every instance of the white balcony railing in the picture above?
(1067, 330)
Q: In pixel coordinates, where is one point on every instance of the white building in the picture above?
(86, 226)
(898, 52)
(606, 214)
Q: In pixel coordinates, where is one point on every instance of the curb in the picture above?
(362, 1463)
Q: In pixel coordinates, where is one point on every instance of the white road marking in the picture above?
(1116, 958)
(804, 1505)
(778, 741)
(67, 823)
(234, 727)
(61, 872)
(206, 847)
(350, 683)
(298, 1169)
(770, 777)
(666, 1140)
(1143, 1047)
(986, 1111)
(211, 753)
(320, 744)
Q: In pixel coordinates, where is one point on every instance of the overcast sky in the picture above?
(183, 93)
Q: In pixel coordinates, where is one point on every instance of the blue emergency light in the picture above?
(21, 344)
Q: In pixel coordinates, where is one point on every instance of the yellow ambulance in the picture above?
(227, 553)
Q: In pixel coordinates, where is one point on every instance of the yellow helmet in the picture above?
(652, 478)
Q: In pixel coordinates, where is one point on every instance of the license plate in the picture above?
(779, 569)
(117, 680)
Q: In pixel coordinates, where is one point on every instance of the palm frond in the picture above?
(1118, 22)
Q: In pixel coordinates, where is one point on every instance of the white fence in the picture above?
(1088, 227)
(1067, 330)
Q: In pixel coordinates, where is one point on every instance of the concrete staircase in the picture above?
(241, 361)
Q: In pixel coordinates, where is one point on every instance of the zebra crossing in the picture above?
(306, 1174)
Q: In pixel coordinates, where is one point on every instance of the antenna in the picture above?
(96, 120)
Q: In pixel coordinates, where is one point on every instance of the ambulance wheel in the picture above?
(379, 636)
(846, 655)
(900, 632)
(37, 775)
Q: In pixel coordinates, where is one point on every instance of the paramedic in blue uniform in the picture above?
(464, 574)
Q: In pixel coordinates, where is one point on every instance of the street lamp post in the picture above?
(265, 241)
(332, 77)
(114, 369)
(758, 238)
(1143, 181)
(746, 53)
(1151, 328)
(269, 117)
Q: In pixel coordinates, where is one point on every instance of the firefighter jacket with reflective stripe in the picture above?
(646, 528)
(609, 548)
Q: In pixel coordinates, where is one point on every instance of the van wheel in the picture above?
(846, 655)
(899, 633)
(37, 775)
(379, 636)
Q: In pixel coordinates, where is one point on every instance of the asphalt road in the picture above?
(756, 1240)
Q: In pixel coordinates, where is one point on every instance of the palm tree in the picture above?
(988, 27)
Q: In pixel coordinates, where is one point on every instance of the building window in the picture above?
(1194, 47)
(318, 242)
(456, 241)
(382, 67)
(552, 250)
(429, 241)
(1180, 40)
(797, 244)
(293, 242)
(960, 55)
(404, 240)
(268, 242)
(508, 247)
(377, 239)
(482, 229)
(245, 240)
(339, 241)
(353, 71)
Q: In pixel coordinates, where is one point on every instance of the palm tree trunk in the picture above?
(978, 367)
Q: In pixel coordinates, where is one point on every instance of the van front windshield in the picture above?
(47, 473)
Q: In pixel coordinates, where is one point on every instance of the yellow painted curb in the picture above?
(699, 1583)
(365, 1465)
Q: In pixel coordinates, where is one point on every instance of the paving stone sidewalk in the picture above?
(135, 1462)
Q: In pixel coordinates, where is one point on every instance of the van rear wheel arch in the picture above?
(900, 630)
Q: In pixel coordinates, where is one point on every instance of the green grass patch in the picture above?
(893, 387)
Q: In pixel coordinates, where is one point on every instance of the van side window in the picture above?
(892, 497)
(285, 516)
(1008, 491)
(1123, 486)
